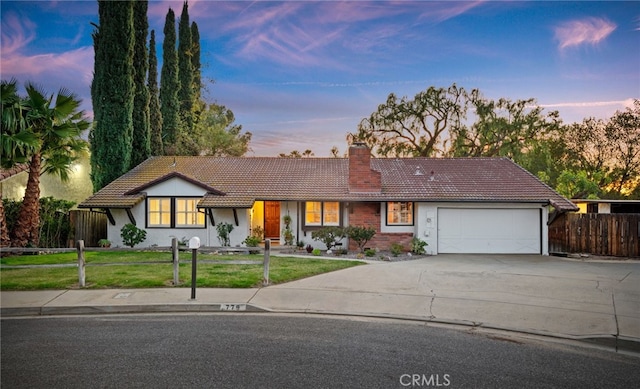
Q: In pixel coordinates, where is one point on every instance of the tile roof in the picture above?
(244, 180)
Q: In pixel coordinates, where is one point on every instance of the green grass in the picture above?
(210, 275)
(114, 256)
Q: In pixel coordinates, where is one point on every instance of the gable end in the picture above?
(169, 176)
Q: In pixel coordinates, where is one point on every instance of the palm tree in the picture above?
(16, 141)
(58, 128)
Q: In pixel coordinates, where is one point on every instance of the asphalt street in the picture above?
(289, 351)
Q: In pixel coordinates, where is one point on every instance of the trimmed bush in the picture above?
(329, 235)
(361, 235)
(132, 235)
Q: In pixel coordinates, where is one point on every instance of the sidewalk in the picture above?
(595, 301)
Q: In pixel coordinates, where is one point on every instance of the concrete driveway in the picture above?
(528, 293)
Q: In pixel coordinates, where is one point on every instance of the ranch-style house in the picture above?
(456, 205)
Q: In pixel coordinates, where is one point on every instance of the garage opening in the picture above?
(489, 231)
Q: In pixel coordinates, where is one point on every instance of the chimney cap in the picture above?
(358, 144)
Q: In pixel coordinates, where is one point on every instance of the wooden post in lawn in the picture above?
(265, 274)
(176, 261)
(80, 249)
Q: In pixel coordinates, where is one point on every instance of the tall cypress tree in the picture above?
(185, 75)
(112, 91)
(199, 106)
(169, 104)
(195, 62)
(141, 149)
(155, 117)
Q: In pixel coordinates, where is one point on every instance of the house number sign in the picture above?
(233, 307)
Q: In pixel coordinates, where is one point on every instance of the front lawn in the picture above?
(126, 269)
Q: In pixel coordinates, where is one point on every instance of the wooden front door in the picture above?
(272, 219)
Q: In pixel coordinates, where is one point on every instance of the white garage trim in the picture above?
(490, 230)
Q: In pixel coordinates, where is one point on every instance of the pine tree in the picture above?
(155, 117)
(185, 76)
(141, 146)
(169, 104)
(112, 92)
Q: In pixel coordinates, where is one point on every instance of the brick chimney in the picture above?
(361, 177)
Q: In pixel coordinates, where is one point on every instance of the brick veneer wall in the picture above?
(361, 177)
(368, 215)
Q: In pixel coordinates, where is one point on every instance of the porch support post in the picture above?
(131, 218)
(112, 221)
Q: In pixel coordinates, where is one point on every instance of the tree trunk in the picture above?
(27, 229)
(4, 231)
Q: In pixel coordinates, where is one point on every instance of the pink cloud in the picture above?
(585, 31)
(449, 10)
(16, 33)
(302, 34)
(71, 69)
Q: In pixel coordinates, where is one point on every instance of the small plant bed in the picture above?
(370, 255)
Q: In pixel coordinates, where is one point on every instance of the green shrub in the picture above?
(252, 241)
(316, 252)
(370, 252)
(329, 235)
(132, 235)
(396, 249)
(55, 226)
(361, 235)
(224, 229)
(418, 245)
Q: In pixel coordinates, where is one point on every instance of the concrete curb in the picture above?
(118, 309)
(607, 341)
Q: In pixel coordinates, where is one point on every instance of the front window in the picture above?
(319, 213)
(313, 213)
(331, 214)
(171, 212)
(187, 214)
(160, 212)
(400, 213)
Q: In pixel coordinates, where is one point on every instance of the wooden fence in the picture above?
(89, 226)
(596, 233)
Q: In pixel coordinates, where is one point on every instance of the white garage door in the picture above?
(491, 231)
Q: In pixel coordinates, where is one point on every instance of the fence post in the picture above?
(265, 274)
(176, 261)
(81, 274)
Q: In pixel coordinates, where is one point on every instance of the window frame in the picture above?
(187, 212)
(412, 214)
(173, 212)
(160, 212)
(322, 215)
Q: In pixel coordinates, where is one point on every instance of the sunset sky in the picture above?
(301, 75)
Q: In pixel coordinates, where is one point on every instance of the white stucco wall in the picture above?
(425, 220)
